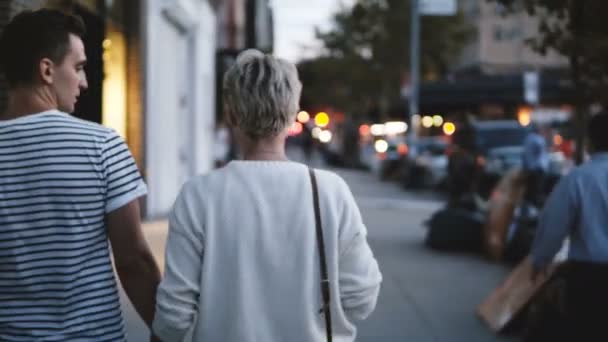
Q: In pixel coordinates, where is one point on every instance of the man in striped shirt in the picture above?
(67, 186)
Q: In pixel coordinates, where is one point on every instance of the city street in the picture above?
(497, 109)
(425, 296)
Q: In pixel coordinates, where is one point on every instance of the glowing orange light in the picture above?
(402, 149)
(524, 116)
(364, 130)
(295, 129)
(558, 140)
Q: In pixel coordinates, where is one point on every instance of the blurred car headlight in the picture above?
(325, 136)
(381, 146)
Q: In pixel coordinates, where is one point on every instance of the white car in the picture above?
(428, 163)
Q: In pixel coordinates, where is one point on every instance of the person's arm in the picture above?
(178, 293)
(135, 264)
(359, 274)
(557, 220)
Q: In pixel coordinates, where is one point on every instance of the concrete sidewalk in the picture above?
(426, 295)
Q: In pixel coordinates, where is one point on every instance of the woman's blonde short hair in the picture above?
(261, 93)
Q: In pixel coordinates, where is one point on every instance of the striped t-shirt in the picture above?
(59, 177)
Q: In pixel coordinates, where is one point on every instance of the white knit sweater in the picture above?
(242, 262)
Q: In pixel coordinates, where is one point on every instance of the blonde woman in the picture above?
(242, 258)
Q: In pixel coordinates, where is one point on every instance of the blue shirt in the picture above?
(577, 208)
(535, 156)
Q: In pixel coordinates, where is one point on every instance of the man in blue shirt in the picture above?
(578, 209)
(535, 165)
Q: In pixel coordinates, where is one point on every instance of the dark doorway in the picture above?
(90, 102)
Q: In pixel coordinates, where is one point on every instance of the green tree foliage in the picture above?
(366, 54)
(577, 29)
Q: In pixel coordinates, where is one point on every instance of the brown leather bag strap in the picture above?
(321, 244)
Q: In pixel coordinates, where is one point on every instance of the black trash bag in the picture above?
(521, 235)
(455, 229)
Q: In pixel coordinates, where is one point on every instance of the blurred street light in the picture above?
(427, 122)
(524, 116)
(558, 140)
(303, 116)
(322, 119)
(295, 129)
(381, 146)
(437, 120)
(449, 128)
(316, 132)
(378, 129)
(364, 130)
(325, 136)
(403, 149)
(395, 127)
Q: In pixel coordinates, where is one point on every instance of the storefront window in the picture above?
(115, 80)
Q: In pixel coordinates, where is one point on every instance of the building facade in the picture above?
(498, 45)
(179, 96)
(498, 72)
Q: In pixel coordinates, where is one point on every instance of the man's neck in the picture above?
(26, 101)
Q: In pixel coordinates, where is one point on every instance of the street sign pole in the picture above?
(422, 7)
(414, 64)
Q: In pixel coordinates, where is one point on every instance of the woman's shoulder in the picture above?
(331, 180)
(328, 175)
(201, 184)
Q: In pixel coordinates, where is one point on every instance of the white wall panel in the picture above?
(180, 96)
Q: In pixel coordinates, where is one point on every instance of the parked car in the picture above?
(496, 146)
(390, 161)
(427, 163)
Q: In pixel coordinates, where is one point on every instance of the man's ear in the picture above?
(46, 69)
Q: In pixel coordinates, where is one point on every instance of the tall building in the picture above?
(498, 45)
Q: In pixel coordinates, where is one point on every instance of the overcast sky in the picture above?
(295, 21)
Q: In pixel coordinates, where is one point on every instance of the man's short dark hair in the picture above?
(598, 131)
(33, 35)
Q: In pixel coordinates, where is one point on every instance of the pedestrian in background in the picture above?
(535, 165)
(578, 209)
(463, 173)
(242, 260)
(66, 186)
